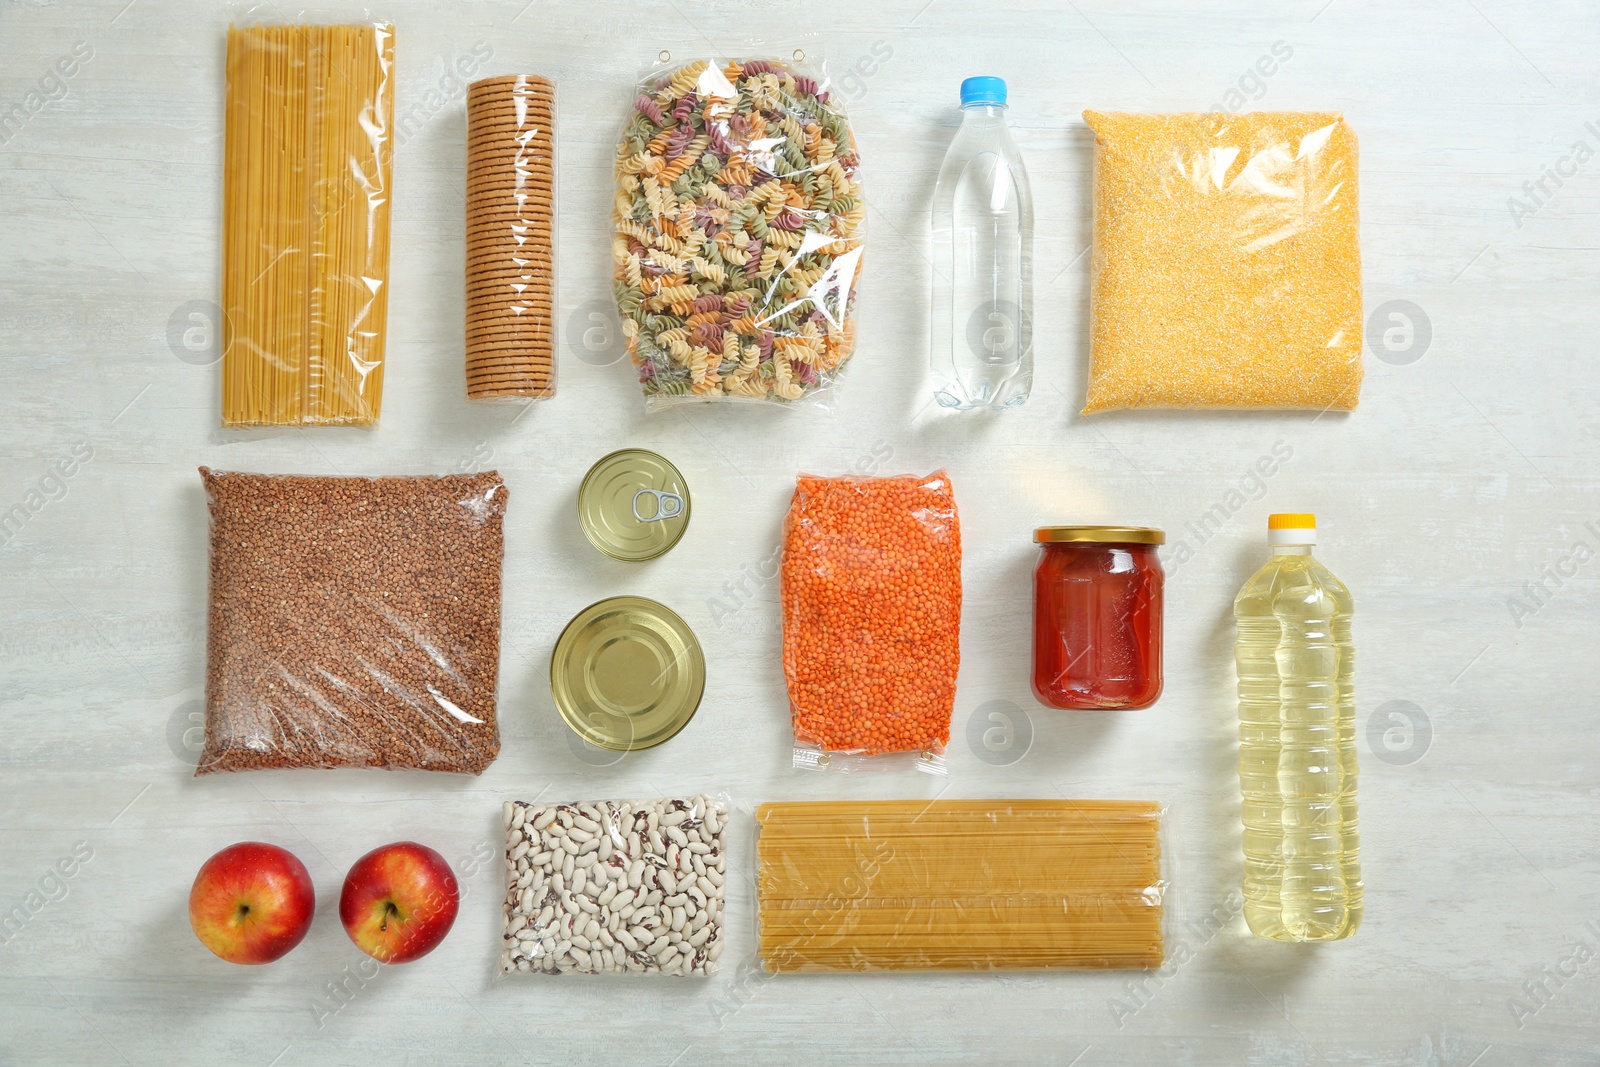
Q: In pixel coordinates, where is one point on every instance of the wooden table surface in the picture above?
(1459, 503)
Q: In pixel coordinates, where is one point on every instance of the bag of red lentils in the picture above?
(871, 580)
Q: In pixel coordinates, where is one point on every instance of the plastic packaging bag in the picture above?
(511, 238)
(612, 887)
(1226, 270)
(960, 885)
(871, 579)
(305, 234)
(738, 226)
(353, 622)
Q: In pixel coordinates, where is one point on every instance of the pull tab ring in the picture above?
(668, 505)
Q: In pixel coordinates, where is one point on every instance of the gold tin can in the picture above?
(633, 505)
(627, 673)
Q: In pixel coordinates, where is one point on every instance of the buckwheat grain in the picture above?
(353, 622)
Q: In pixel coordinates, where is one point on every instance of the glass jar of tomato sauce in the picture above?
(1097, 617)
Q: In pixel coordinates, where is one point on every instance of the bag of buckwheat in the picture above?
(353, 622)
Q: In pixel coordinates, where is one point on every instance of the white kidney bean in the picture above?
(611, 887)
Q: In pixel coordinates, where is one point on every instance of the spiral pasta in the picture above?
(738, 225)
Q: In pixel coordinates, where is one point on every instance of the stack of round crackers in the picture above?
(510, 237)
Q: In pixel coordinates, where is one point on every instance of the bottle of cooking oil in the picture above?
(1297, 743)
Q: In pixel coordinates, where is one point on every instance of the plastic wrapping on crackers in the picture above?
(308, 162)
(1226, 266)
(738, 229)
(969, 885)
(353, 622)
(510, 239)
(871, 589)
(615, 887)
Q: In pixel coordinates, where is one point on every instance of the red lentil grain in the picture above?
(871, 580)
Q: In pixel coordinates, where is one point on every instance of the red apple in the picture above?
(399, 901)
(251, 902)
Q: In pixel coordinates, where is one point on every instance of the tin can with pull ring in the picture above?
(633, 505)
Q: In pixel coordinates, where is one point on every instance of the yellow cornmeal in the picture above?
(1226, 270)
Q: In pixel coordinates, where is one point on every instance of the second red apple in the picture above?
(399, 901)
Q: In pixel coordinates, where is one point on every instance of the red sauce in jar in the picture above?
(1097, 617)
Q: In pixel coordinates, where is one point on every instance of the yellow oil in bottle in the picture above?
(1297, 743)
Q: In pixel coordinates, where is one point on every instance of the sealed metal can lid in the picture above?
(627, 673)
(633, 505)
(1112, 535)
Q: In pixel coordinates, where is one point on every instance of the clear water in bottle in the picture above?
(982, 326)
(1297, 743)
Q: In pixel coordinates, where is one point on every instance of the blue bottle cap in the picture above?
(983, 91)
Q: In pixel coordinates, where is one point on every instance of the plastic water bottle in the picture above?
(1297, 743)
(982, 328)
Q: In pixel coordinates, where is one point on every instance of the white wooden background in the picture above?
(1467, 471)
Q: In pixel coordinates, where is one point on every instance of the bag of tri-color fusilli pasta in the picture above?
(737, 231)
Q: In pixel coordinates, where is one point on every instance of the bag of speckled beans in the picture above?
(615, 887)
(1226, 270)
(737, 232)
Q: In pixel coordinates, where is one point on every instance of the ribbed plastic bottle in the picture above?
(981, 332)
(1297, 743)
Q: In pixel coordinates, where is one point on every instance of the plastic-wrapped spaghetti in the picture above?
(306, 196)
(960, 885)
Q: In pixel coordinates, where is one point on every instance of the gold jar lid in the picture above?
(1108, 535)
(627, 673)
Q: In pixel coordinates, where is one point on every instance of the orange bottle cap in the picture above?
(1298, 520)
